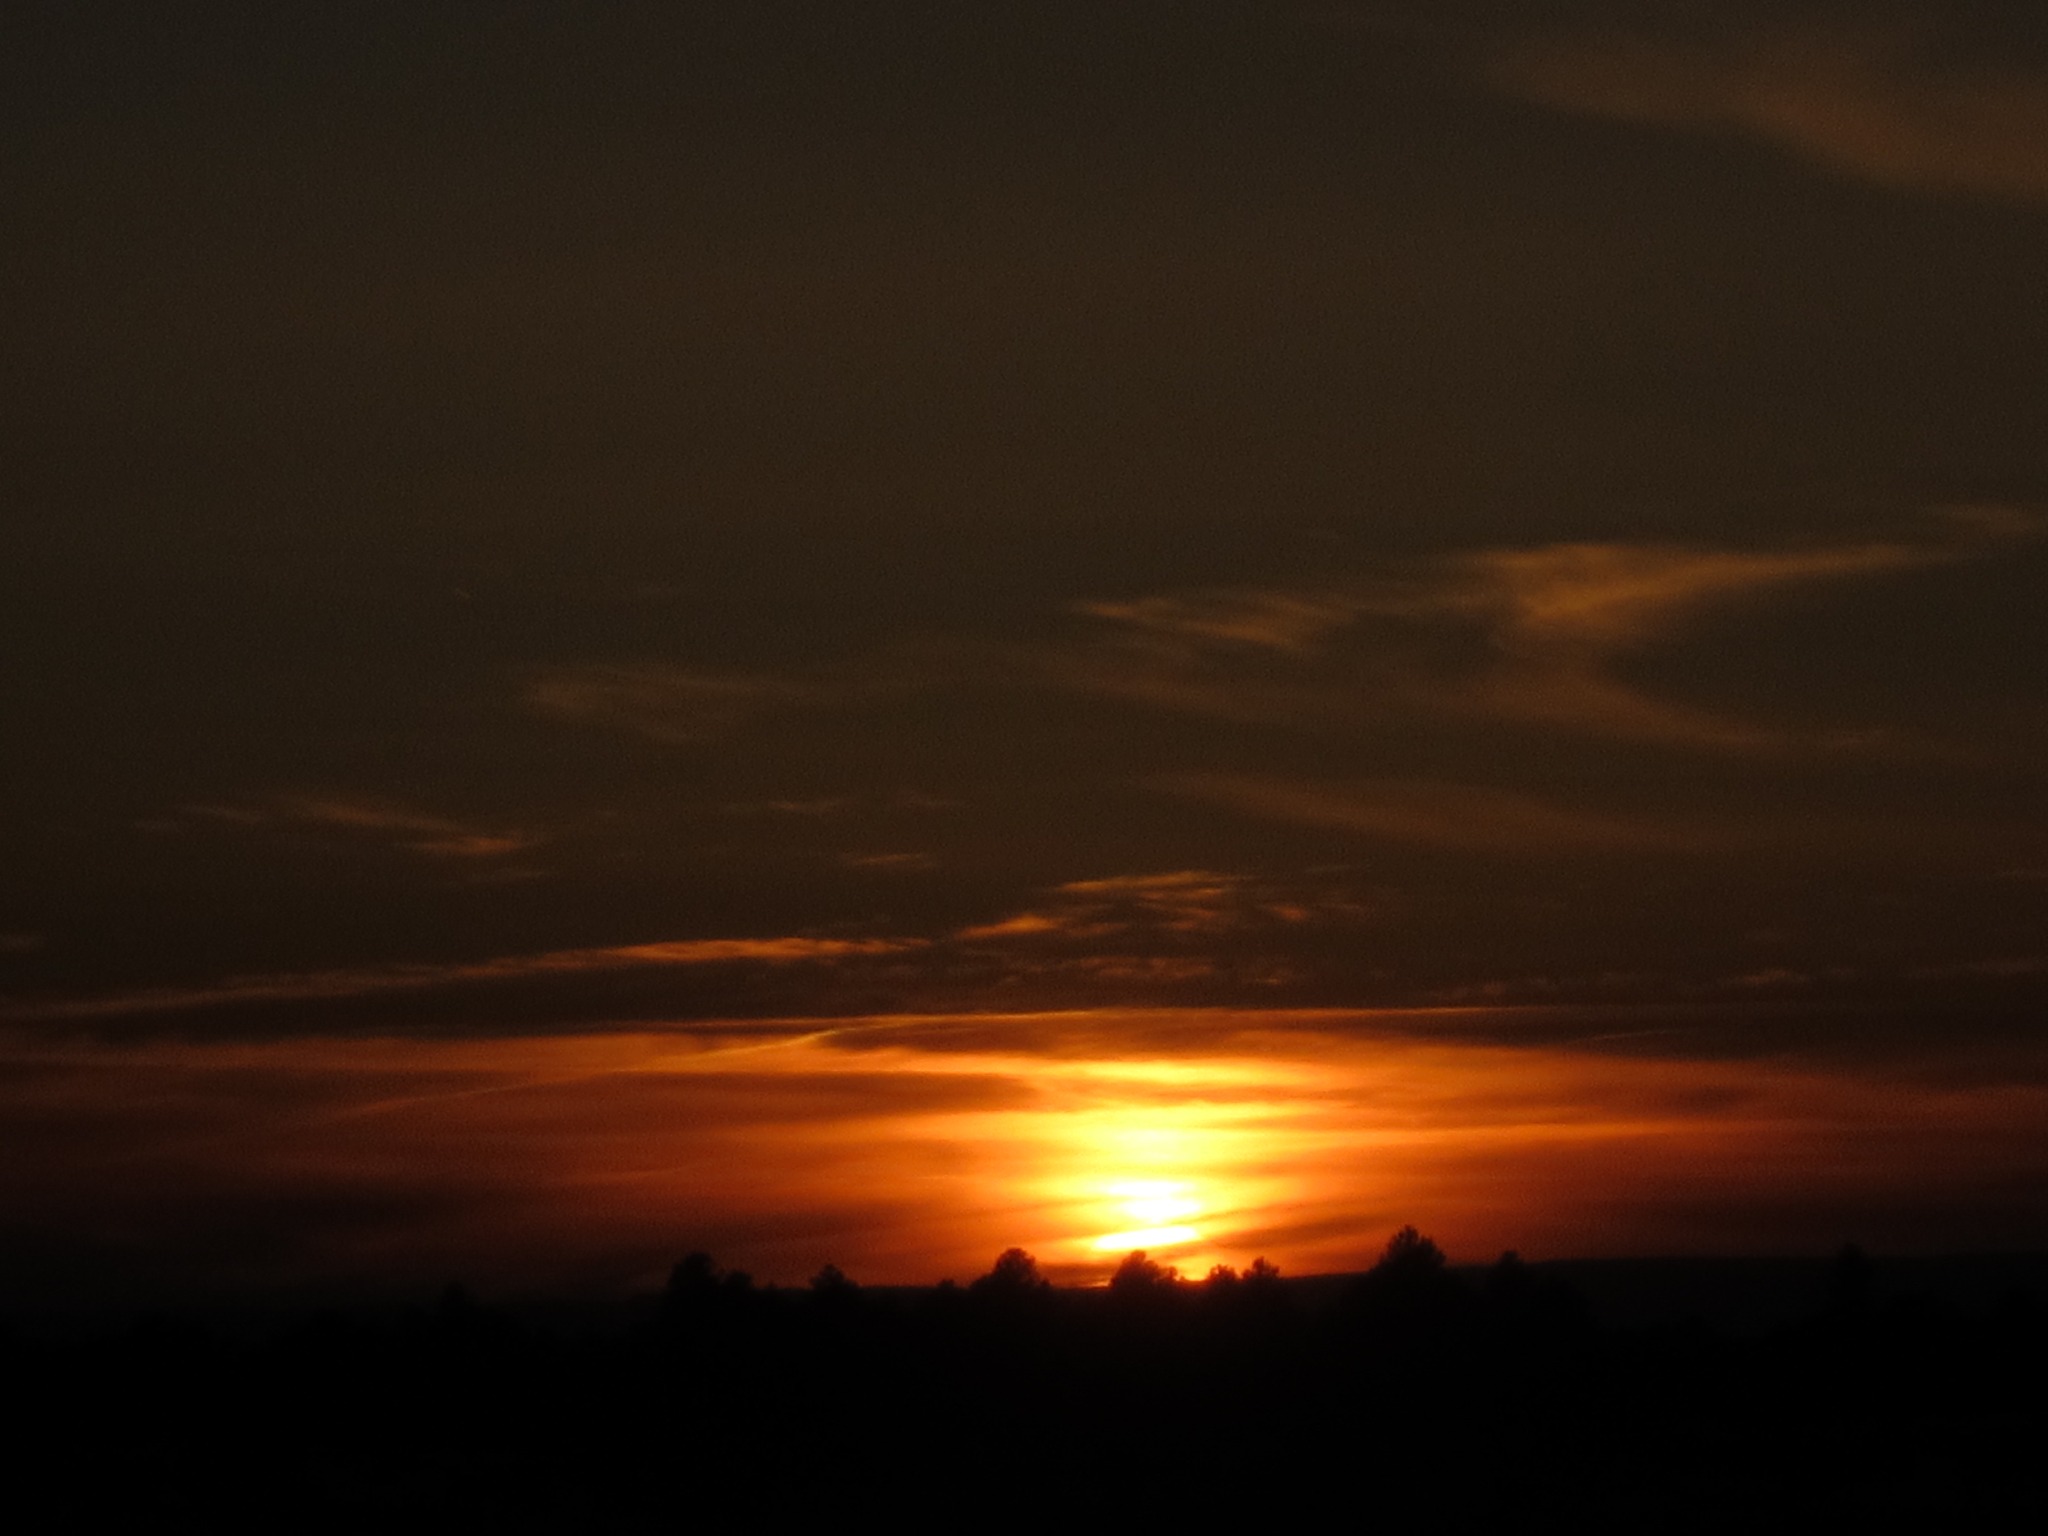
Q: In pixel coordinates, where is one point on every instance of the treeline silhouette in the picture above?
(1414, 1391)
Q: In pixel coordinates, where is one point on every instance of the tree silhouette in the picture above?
(834, 1299)
(1409, 1253)
(1243, 1305)
(695, 1277)
(1410, 1292)
(1015, 1274)
(701, 1297)
(832, 1281)
(1510, 1284)
(1140, 1276)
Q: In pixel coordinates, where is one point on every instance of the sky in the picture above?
(860, 633)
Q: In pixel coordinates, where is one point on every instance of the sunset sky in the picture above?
(861, 633)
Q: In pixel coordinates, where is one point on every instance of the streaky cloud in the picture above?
(677, 705)
(1603, 597)
(311, 986)
(1552, 620)
(1175, 902)
(1292, 622)
(1872, 102)
(1461, 817)
(414, 830)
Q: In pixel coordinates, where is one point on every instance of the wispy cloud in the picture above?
(417, 831)
(1880, 104)
(1183, 682)
(379, 820)
(902, 862)
(1183, 902)
(1550, 621)
(1535, 635)
(1559, 615)
(668, 703)
(1293, 622)
(438, 835)
(821, 806)
(1465, 817)
(1606, 596)
(312, 986)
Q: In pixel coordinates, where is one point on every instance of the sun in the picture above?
(1159, 1211)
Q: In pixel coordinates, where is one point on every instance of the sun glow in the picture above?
(905, 1153)
(1157, 1200)
(1147, 1238)
(1164, 1204)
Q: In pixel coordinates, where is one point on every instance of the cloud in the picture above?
(1292, 622)
(1551, 622)
(1557, 615)
(900, 862)
(1185, 902)
(1221, 654)
(1602, 597)
(1182, 681)
(1463, 817)
(436, 836)
(312, 986)
(670, 704)
(1878, 104)
(1188, 900)
(1023, 925)
(1529, 634)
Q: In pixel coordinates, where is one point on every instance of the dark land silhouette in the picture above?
(1834, 1393)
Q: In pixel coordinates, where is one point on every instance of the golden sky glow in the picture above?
(908, 1149)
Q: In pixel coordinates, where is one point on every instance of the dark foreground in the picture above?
(1412, 1394)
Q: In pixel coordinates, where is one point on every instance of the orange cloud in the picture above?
(1023, 925)
(1181, 679)
(670, 704)
(1879, 105)
(1557, 615)
(904, 862)
(1186, 901)
(1603, 597)
(1554, 619)
(438, 836)
(1551, 622)
(1466, 817)
(309, 986)
(1293, 622)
